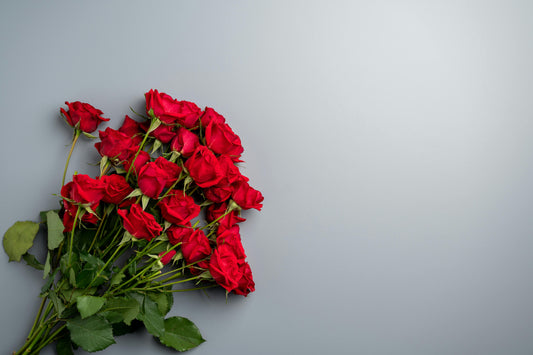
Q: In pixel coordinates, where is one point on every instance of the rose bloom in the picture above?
(141, 160)
(176, 234)
(170, 170)
(195, 246)
(185, 142)
(246, 282)
(224, 267)
(178, 208)
(221, 139)
(204, 167)
(152, 180)
(82, 115)
(139, 223)
(86, 190)
(246, 196)
(116, 188)
(211, 115)
(132, 129)
(163, 133)
(222, 190)
(114, 144)
(171, 111)
(216, 210)
(70, 209)
(232, 237)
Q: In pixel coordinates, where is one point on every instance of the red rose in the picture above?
(247, 197)
(86, 190)
(116, 188)
(141, 160)
(229, 220)
(171, 170)
(185, 142)
(204, 168)
(246, 283)
(171, 111)
(140, 224)
(132, 129)
(166, 256)
(195, 246)
(211, 115)
(176, 234)
(232, 237)
(224, 267)
(221, 139)
(164, 133)
(83, 116)
(152, 180)
(71, 209)
(222, 190)
(178, 208)
(114, 144)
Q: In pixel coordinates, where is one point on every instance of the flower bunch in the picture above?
(164, 212)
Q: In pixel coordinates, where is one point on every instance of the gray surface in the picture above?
(391, 139)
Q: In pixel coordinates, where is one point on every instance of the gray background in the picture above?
(391, 139)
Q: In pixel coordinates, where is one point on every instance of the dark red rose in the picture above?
(171, 111)
(246, 283)
(84, 116)
(171, 170)
(86, 190)
(195, 246)
(221, 139)
(176, 234)
(114, 144)
(178, 208)
(185, 142)
(222, 190)
(164, 133)
(211, 115)
(216, 210)
(166, 256)
(152, 180)
(116, 188)
(139, 223)
(247, 197)
(224, 267)
(204, 168)
(232, 237)
(70, 208)
(132, 129)
(141, 160)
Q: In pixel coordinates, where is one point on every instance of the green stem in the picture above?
(72, 235)
(137, 154)
(102, 222)
(41, 307)
(77, 133)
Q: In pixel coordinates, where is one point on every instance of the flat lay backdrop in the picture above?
(392, 140)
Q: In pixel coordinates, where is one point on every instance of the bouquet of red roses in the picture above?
(162, 217)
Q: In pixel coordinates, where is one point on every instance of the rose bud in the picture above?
(114, 144)
(170, 170)
(211, 115)
(247, 197)
(152, 180)
(178, 208)
(116, 188)
(224, 267)
(204, 167)
(171, 111)
(132, 129)
(185, 142)
(246, 283)
(166, 256)
(221, 139)
(83, 116)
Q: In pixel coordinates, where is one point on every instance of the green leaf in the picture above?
(32, 261)
(121, 310)
(55, 229)
(91, 334)
(181, 334)
(151, 317)
(58, 305)
(19, 238)
(64, 346)
(89, 305)
(49, 282)
(47, 266)
(117, 279)
(164, 301)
